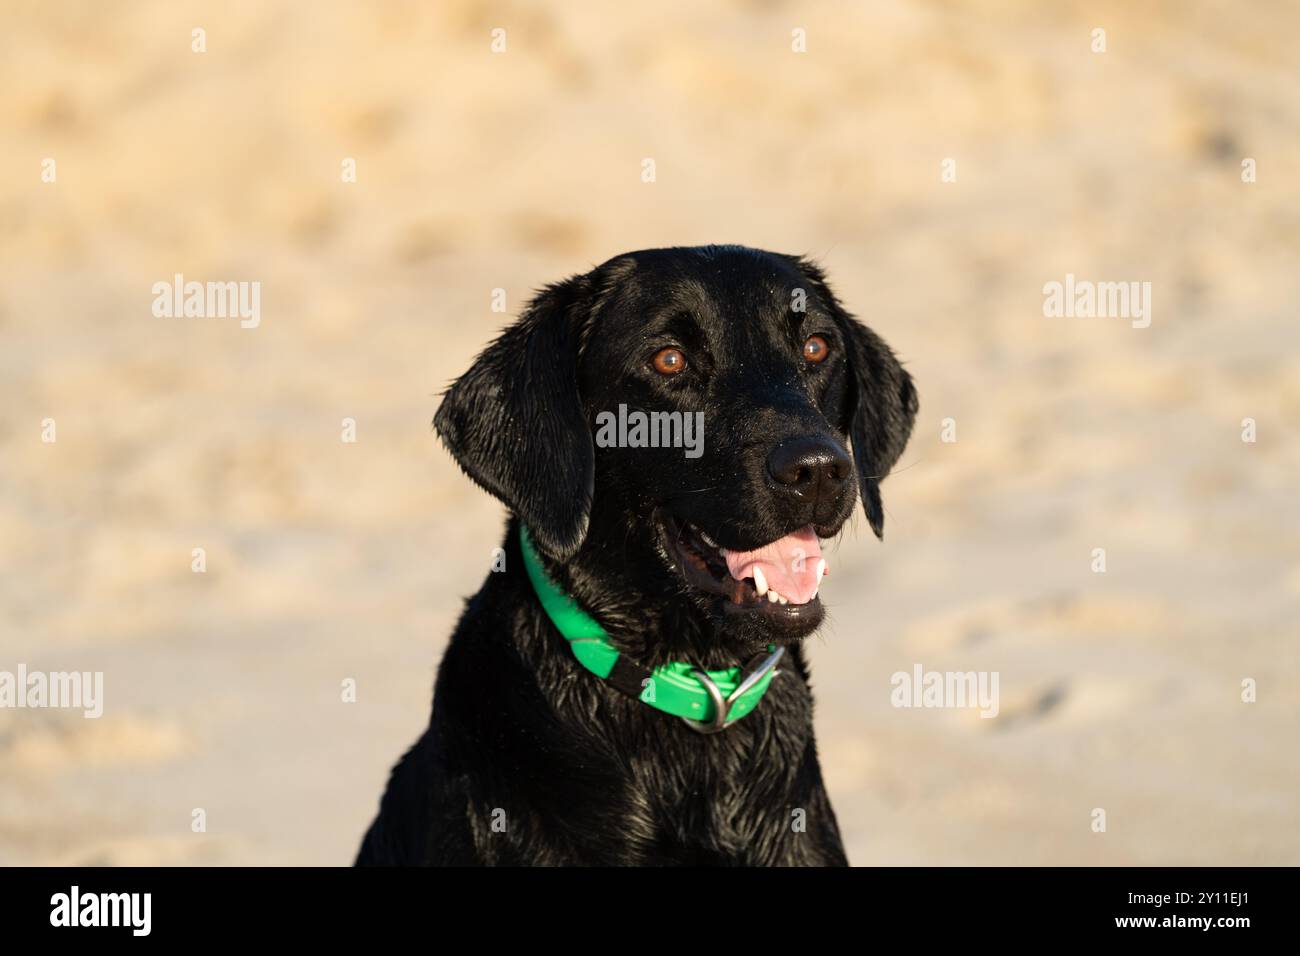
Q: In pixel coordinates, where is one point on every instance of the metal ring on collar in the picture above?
(722, 706)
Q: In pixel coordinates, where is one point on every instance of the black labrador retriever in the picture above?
(669, 433)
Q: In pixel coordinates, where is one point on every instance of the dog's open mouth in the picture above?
(780, 580)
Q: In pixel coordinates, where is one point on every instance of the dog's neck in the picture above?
(645, 613)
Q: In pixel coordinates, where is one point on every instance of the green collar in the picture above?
(708, 701)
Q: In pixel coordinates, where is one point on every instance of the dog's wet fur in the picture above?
(531, 759)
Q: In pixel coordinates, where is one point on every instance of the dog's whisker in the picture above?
(894, 471)
(693, 491)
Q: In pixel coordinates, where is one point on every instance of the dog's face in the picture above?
(686, 424)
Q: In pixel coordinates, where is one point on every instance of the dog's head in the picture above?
(677, 423)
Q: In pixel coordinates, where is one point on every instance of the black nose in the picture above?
(814, 467)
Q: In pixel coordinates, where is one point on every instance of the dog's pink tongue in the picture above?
(790, 564)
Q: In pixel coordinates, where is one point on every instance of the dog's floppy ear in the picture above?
(515, 424)
(883, 402)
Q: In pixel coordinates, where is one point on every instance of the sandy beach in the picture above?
(943, 165)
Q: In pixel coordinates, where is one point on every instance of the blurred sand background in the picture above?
(475, 170)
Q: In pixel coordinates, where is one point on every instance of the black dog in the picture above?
(676, 555)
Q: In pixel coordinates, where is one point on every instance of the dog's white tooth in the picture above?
(821, 570)
(722, 551)
(773, 596)
(814, 597)
(760, 582)
(783, 600)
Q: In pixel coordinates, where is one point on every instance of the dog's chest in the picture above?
(717, 796)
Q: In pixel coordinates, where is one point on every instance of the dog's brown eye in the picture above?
(815, 349)
(669, 361)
